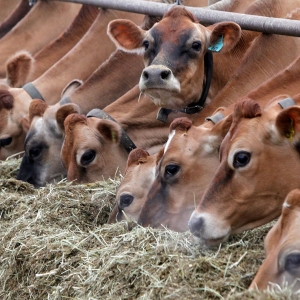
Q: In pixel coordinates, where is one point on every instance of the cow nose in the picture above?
(196, 224)
(156, 74)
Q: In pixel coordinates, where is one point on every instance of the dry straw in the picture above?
(55, 244)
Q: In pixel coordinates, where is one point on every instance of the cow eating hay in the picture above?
(55, 243)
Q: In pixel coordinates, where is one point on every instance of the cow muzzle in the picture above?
(156, 77)
(210, 230)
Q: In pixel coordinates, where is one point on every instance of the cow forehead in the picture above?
(176, 31)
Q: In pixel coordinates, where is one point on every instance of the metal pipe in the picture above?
(206, 16)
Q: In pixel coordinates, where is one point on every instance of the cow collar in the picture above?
(32, 91)
(126, 141)
(193, 108)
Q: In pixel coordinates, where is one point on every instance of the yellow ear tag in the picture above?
(291, 132)
(114, 136)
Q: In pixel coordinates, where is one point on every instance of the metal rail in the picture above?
(206, 16)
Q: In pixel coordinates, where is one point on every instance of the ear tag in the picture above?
(113, 136)
(217, 46)
(289, 135)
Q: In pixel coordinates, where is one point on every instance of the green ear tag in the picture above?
(217, 46)
(289, 135)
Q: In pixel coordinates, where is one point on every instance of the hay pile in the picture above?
(55, 244)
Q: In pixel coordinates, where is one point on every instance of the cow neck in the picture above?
(32, 91)
(193, 108)
(125, 141)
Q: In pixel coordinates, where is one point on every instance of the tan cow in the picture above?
(282, 246)
(189, 162)
(132, 192)
(37, 28)
(23, 67)
(249, 186)
(173, 52)
(13, 17)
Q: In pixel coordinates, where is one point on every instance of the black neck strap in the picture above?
(125, 141)
(193, 108)
(32, 91)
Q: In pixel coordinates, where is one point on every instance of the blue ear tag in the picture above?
(217, 46)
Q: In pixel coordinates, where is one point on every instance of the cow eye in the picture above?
(171, 170)
(87, 157)
(5, 142)
(146, 44)
(125, 200)
(292, 261)
(196, 46)
(35, 152)
(241, 159)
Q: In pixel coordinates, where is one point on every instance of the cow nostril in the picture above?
(145, 75)
(196, 225)
(165, 74)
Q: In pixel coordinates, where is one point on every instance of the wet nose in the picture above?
(196, 224)
(156, 74)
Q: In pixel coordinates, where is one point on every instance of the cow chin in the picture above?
(165, 98)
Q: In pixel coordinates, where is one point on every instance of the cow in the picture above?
(174, 62)
(132, 192)
(282, 247)
(104, 138)
(185, 169)
(173, 52)
(43, 23)
(50, 85)
(248, 188)
(14, 17)
(23, 67)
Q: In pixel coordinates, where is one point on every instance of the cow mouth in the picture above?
(213, 243)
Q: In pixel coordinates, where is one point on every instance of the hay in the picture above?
(55, 244)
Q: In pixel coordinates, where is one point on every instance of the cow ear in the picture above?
(63, 112)
(37, 108)
(288, 123)
(71, 87)
(110, 130)
(18, 67)
(126, 35)
(224, 36)
(25, 124)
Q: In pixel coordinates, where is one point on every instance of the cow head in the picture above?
(91, 150)
(13, 124)
(282, 264)
(134, 187)
(173, 51)
(259, 166)
(185, 169)
(41, 162)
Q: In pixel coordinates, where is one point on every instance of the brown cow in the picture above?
(132, 191)
(23, 67)
(37, 28)
(14, 17)
(248, 188)
(282, 245)
(189, 162)
(174, 51)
